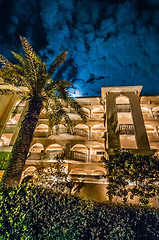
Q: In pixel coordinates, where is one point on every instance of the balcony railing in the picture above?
(80, 132)
(123, 108)
(75, 155)
(51, 155)
(126, 129)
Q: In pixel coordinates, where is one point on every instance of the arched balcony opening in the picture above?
(147, 113)
(29, 175)
(41, 130)
(12, 121)
(79, 152)
(20, 107)
(125, 123)
(60, 129)
(97, 152)
(37, 148)
(155, 111)
(54, 151)
(87, 111)
(122, 104)
(5, 139)
(122, 100)
(152, 132)
(81, 130)
(53, 147)
(98, 113)
(98, 131)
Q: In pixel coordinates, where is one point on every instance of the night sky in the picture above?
(110, 42)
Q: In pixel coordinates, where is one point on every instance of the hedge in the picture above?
(28, 212)
(3, 160)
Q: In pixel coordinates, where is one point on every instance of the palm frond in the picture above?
(4, 60)
(20, 58)
(74, 104)
(9, 91)
(34, 62)
(59, 60)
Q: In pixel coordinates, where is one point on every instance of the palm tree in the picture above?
(38, 90)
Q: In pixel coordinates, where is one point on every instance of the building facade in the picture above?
(119, 118)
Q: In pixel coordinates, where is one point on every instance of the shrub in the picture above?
(28, 212)
(4, 156)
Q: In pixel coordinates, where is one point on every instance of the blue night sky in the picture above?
(110, 42)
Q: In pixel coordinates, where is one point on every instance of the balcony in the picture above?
(123, 108)
(53, 155)
(80, 132)
(76, 155)
(126, 129)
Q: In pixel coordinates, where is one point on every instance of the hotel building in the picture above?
(119, 118)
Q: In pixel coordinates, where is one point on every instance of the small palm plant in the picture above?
(38, 90)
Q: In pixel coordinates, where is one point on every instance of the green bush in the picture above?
(32, 213)
(3, 160)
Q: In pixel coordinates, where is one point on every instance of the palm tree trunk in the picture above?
(12, 174)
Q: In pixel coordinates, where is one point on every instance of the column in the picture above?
(139, 126)
(90, 133)
(112, 121)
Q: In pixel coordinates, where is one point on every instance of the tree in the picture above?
(132, 175)
(53, 177)
(34, 83)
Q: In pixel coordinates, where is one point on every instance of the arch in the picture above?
(54, 147)
(80, 148)
(150, 128)
(42, 128)
(37, 148)
(122, 100)
(5, 139)
(155, 109)
(29, 174)
(98, 113)
(86, 109)
(98, 150)
(78, 171)
(98, 128)
(30, 169)
(60, 126)
(18, 101)
(98, 109)
(98, 172)
(82, 126)
(81, 130)
(99, 146)
(145, 109)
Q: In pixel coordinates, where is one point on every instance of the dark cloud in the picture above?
(109, 42)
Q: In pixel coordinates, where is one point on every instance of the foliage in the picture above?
(30, 78)
(132, 175)
(38, 89)
(3, 160)
(32, 213)
(54, 178)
